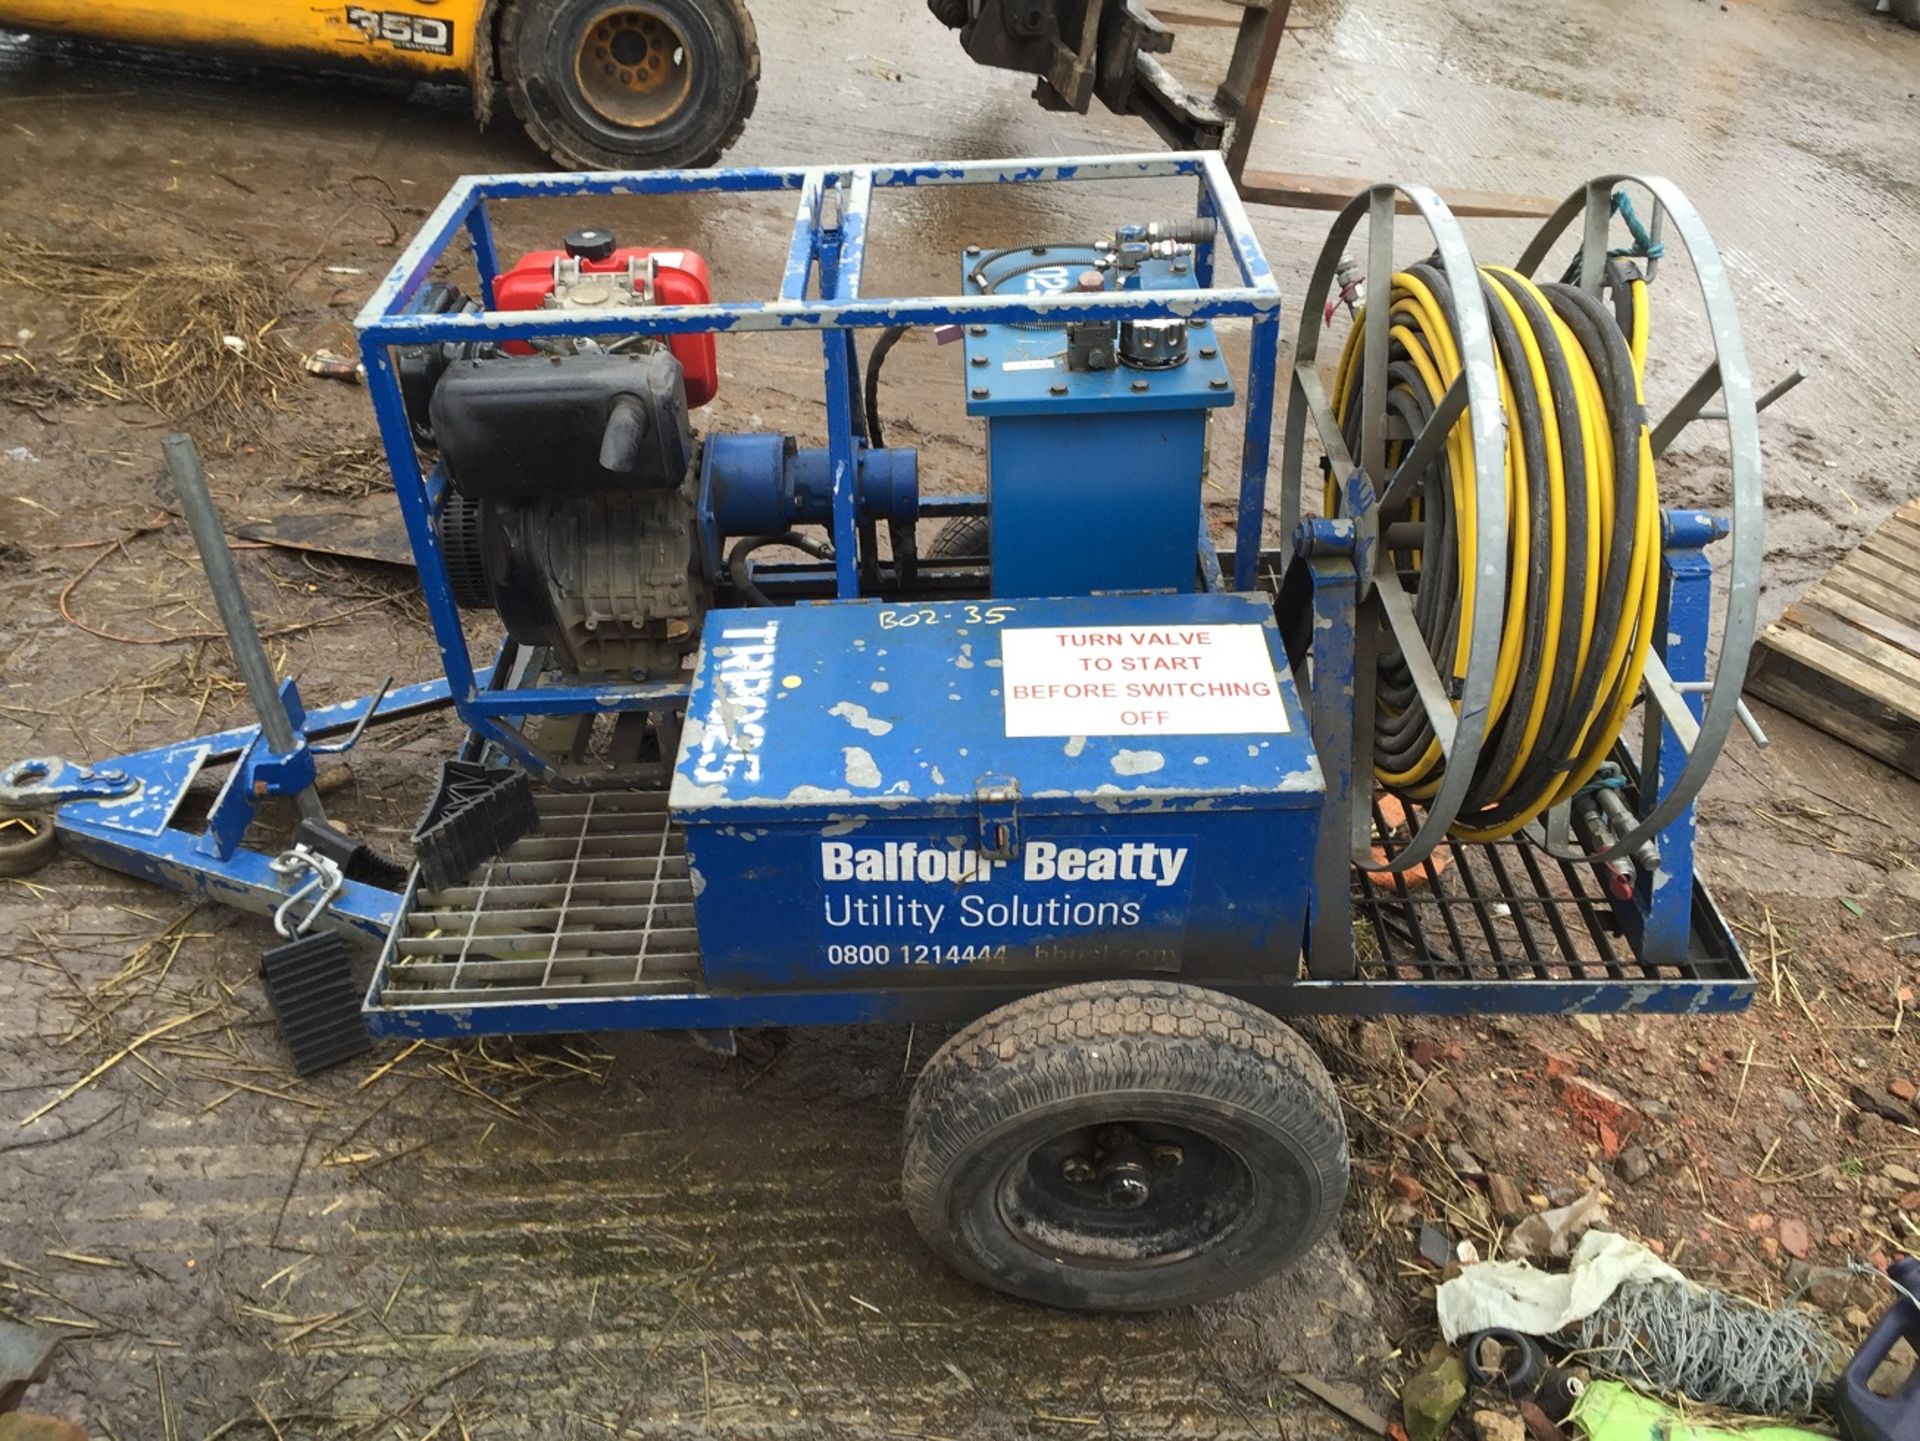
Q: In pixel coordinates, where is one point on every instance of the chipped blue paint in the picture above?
(1335, 598)
(243, 880)
(43, 782)
(1660, 917)
(259, 772)
(853, 234)
(383, 320)
(486, 257)
(788, 743)
(1250, 524)
(801, 248)
(604, 699)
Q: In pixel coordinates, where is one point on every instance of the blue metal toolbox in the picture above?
(1076, 786)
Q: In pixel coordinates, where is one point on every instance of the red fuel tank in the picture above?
(680, 278)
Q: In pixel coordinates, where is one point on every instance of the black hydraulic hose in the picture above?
(740, 556)
(1566, 412)
(876, 359)
(1613, 366)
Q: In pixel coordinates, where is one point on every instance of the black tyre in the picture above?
(631, 84)
(26, 841)
(1123, 1145)
(962, 538)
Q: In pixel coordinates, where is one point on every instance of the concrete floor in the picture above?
(630, 1237)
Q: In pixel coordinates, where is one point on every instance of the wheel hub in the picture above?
(1131, 1193)
(633, 67)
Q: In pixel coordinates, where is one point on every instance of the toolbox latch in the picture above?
(998, 801)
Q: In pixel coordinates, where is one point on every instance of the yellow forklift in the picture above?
(653, 84)
(664, 84)
(598, 84)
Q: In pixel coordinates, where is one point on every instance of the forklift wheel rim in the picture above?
(1200, 1190)
(633, 67)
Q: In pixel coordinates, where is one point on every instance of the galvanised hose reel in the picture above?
(1490, 466)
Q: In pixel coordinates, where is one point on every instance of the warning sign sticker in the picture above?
(1140, 680)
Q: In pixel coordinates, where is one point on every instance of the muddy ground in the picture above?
(626, 1236)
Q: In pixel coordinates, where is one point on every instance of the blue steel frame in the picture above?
(820, 289)
(1672, 919)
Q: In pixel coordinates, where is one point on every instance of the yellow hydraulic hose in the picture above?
(1583, 534)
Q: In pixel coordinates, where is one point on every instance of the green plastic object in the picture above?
(1610, 1411)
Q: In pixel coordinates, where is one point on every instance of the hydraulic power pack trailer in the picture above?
(775, 737)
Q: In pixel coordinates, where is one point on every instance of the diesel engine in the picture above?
(571, 466)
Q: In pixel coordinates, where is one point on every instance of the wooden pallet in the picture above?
(1846, 656)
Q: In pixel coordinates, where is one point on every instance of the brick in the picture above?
(28, 1426)
(1609, 1114)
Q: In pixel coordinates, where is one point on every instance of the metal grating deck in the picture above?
(597, 901)
(1507, 911)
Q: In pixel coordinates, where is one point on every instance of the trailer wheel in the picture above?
(1123, 1145)
(631, 84)
(27, 841)
(965, 537)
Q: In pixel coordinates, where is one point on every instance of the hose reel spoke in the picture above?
(1426, 446)
(1687, 408)
(1397, 606)
(1597, 221)
(1309, 389)
(1673, 707)
(1373, 376)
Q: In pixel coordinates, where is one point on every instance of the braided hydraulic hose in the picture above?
(1582, 534)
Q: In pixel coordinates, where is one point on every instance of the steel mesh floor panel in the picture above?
(596, 901)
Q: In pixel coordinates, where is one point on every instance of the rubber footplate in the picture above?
(476, 812)
(310, 986)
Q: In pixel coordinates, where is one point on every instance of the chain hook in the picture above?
(323, 876)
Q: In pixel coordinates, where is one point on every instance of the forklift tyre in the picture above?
(1123, 1146)
(27, 842)
(631, 84)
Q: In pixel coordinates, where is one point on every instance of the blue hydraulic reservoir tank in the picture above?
(1096, 443)
(1021, 790)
